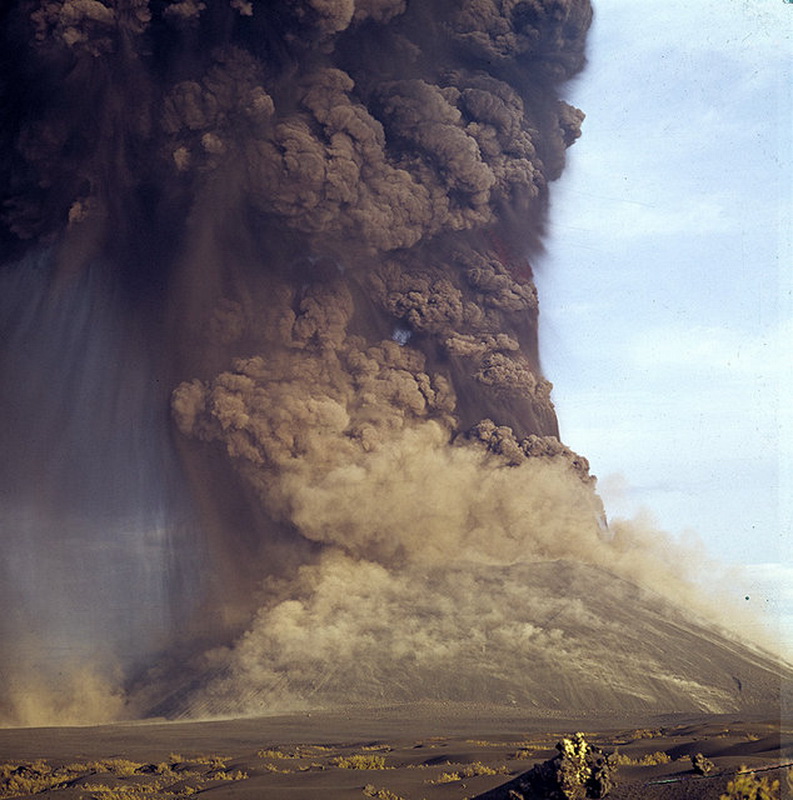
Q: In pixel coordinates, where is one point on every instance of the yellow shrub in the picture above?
(223, 775)
(31, 778)
(649, 760)
(273, 754)
(270, 767)
(380, 794)
(363, 761)
(478, 768)
(470, 771)
(747, 786)
(448, 777)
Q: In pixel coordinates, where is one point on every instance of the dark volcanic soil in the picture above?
(410, 752)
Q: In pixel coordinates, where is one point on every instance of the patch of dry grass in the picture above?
(360, 761)
(176, 778)
(381, 794)
(747, 786)
(469, 771)
(525, 753)
(274, 768)
(648, 760)
(32, 777)
(274, 754)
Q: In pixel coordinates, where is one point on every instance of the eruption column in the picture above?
(270, 343)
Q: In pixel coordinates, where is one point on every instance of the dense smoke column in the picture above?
(306, 225)
(288, 133)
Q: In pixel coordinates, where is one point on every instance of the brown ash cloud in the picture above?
(302, 232)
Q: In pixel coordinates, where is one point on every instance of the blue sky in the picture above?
(667, 313)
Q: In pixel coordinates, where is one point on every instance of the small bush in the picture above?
(361, 761)
(125, 792)
(270, 767)
(117, 766)
(31, 778)
(578, 770)
(215, 762)
(312, 751)
(470, 771)
(381, 794)
(273, 754)
(447, 777)
(649, 760)
(137, 781)
(702, 765)
(478, 768)
(747, 786)
(224, 775)
(166, 769)
(647, 733)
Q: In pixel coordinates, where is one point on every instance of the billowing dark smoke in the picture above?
(270, 364)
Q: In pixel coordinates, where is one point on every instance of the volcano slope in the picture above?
(461, 716)
(556, 637)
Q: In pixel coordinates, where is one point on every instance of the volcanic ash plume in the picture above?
(274, 414)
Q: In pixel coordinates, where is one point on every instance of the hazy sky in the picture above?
(666, 289)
